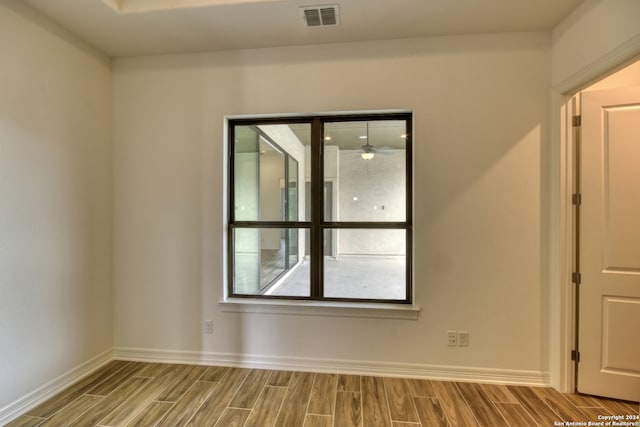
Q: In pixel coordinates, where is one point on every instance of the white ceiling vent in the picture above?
(321, 16)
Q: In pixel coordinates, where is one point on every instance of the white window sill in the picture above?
(321, 308)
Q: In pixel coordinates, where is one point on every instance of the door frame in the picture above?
(562, 237)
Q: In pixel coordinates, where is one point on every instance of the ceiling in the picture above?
(147, 27)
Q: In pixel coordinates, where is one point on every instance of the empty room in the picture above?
(290, 213)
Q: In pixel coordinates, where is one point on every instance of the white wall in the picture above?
(55, 203)
(597, 32)
(481, 195)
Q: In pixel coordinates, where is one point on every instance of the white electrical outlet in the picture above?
(208, 326)
(463, 339)
(452, 338)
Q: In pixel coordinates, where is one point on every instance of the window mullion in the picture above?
(317, 209)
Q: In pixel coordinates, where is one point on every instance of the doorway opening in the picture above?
(602, 128)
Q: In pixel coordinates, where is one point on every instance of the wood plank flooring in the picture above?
(153, 394)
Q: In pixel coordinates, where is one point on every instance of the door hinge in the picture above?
(576, 121)
(575, 355)
(576, 278)
(576, 199)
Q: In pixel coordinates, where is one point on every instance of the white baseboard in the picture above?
(357, 367)
(36, 397)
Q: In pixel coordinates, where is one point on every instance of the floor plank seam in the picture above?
(335, 402)
(415, 407)
(361, 423)
(473, 413)
(204, 399)
(306, 408)
(281, 404)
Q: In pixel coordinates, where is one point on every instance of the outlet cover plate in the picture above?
(463, 339)
(452, 338)
(208, 326)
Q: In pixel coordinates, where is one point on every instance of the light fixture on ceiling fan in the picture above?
(369, 151)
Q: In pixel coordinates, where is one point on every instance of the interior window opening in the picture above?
(321, 208)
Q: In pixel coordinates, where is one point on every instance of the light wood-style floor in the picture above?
(151, 394)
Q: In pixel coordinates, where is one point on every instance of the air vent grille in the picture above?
(321, 16)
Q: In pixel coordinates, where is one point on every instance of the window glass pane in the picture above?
(268, 163)
(247, 173)
(267, 261)
(366, 163)
(246, 261)
(370, 264)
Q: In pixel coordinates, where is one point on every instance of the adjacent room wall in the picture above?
(372, 190)
(481, 111)
(55, 204)
(596, 34)
(628, 76)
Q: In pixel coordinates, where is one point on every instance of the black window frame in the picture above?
(316, 224)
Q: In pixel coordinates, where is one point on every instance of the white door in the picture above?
(609, 303)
